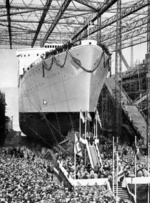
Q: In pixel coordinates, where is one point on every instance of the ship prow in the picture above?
(58, 87)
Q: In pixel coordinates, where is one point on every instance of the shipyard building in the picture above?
(83, 99)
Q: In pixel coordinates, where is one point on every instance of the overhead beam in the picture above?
(3, 13)
(18, 28)
(125, 12)
(103, 9)
(47, 6)
(57, 18)
(135, 33)
(87, 3)
(136, 41)
(128, 27)
(37, 21)
(9, 22)
(124, 60)
(54, 8)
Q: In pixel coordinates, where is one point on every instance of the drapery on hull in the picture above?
(52, 93)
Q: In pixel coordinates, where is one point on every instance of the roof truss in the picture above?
(32, 23)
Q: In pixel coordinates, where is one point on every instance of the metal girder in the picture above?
(124, 60)
(54, 8)
(9, 22)
(16, 12)
(57, 18)
(125, 45)
(19, 28)
(125, 12)
(72, 15)
(87, 3)
(118, 70)
(127, 28)
(104, 8)
(47, 6)
(148, 29)
(135, 33)
(37, 21)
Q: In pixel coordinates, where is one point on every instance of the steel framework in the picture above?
(32, 23)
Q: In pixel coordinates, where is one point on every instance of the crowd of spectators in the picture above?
(127, 156)
(25, 177)
(126, 163)
(85, 171)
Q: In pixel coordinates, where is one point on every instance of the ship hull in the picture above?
(49, 128)
(54, 91)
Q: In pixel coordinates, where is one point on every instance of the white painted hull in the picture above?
(50, 100)
(66, 89)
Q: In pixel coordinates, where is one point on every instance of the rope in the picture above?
(37, 134)
(61, 66)
(35, 108)
(68, 106)
(40, 111)
(58, 124)
(32, 129)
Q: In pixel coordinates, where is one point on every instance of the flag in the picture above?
(88, 116)
(97, 118)
(137, 150)
(77, 148)
(82, 116)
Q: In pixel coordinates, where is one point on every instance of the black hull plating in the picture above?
(49, 128)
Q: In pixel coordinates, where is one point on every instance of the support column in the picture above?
(131, 59)
(148, 90)
(99, 31)
(118, 85)
(118, 71)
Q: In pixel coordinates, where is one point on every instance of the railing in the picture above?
(132, 195)
(127, 96)
(84, 141)
(89, 153)
(32, 65)
(98, 154)
(35, 63)
(64, 175)
(141, 112)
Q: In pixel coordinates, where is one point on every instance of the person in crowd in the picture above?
(26, 177)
